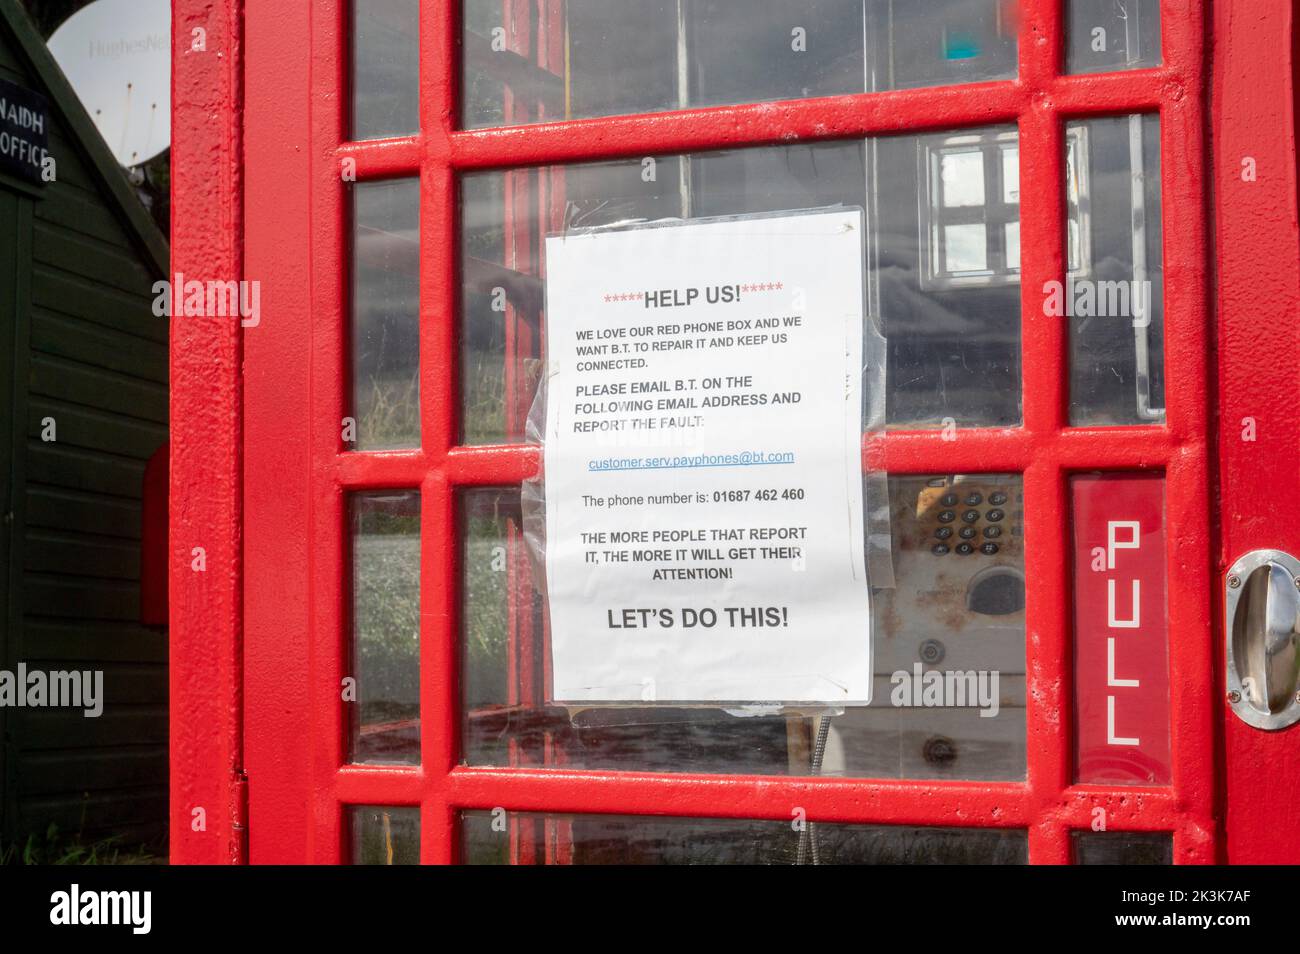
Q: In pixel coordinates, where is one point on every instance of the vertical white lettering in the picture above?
(1111, 620)
(1113, 542)
(1111, 737)
(1110, 667)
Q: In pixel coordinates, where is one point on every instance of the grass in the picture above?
(56, 848)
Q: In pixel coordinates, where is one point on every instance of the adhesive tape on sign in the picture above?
(117, 56)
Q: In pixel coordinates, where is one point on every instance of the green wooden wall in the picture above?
(81, 346)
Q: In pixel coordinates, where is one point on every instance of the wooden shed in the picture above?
(83, 409)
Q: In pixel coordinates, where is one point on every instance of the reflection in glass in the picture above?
(1010, 174)
(958, 607)
(386, 314)
(961, 178)
(384, 835)
(1105, 35)
(534, 839)
(1123, 848)
(1114, 300)
(943, 275)
(584, 58)
(385, 68)
(964, 249)
(967, 231)
(385, 646)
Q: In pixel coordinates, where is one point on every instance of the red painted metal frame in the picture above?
(297, 472)
(206, 728)
(1258, 297)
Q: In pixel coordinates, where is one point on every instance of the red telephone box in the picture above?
(360, 674)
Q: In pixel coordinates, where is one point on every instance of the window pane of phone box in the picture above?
(1106, 35)
(385, 646)
(384, 835)
(1123, 848)
(942, 259)
(1114, 295)
(949, 645)
(385, 68)
(501, 838)
(385, 340)
(584, 58)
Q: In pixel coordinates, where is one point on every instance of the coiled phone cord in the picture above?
(808, 837)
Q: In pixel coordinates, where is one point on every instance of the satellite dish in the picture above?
(117, 56)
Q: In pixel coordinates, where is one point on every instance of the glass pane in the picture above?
(942, 281)
(949, 300)
(385, 68)
(956, 614)
(385, 714)
(1114, 297)
(386, 315)
(1121, 630)
(962, 178)
(746, 51)
(1123, 848)
(525, 838)
(1012, 238)
(940, 42)
(956, 618)
(585, 58)
(383, 835)
(965, 248)
(1011, 175)
(1105, 35)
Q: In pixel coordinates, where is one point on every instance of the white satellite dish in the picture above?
(117, 56)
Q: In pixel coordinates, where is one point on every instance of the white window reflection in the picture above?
(970, 240)
(1012, 232)
(965, 248)
(1011, 174)
(962, 175)
(972, 200)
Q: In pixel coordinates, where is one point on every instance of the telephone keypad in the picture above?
(980, 516)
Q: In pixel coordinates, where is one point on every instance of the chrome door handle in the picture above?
(1262, 608)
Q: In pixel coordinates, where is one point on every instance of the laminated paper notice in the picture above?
(703, 463)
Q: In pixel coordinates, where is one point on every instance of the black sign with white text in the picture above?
(24, 132)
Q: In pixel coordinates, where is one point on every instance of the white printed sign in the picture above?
(703, 462)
